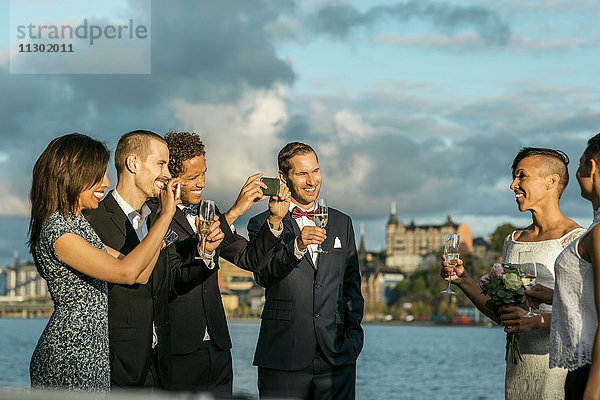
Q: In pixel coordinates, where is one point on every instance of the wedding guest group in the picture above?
(151, 315)
(69, 177)
(138, 317)
(134, 280)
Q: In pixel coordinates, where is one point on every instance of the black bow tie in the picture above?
(192, 210)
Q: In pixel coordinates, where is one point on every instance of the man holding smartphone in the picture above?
(310, 333)
(201, 342)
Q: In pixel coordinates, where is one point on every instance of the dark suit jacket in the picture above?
(132, 309)
(305, 306)
(201, 307)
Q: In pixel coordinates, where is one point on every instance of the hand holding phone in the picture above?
(272, 186)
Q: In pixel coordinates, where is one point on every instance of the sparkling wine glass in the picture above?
(529, 278)
(206, 213)
(321, 217)
(451, 252)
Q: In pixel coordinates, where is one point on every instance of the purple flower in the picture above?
(483, 282)
(497, 271)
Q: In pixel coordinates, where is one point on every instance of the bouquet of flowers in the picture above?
(503, 284)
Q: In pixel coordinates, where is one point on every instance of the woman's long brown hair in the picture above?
(70, 164)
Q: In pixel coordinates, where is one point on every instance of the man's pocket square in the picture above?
(336, 243)
(170, 238)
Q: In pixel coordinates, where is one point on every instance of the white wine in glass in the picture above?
(452, 253)
(204, 227)
(205, 214)
(321, 216)
(321, 220)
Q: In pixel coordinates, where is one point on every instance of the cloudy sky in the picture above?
(424, 103)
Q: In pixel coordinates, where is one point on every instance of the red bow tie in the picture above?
(297, 212)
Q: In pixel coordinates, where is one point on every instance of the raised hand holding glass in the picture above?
(321, 216)
(451, 253)
(205, 214)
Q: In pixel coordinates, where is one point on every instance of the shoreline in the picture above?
(487, 324)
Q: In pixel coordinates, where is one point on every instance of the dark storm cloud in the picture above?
(296, 129)
(201, 52)
(584, 120)
(426, 177)
(436, 155)
(340, 20)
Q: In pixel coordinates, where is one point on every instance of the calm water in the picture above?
(398, 362)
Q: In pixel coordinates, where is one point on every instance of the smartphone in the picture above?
(272, 186)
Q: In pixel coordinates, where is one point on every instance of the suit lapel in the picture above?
(290, 224)
(120, 220)
(183, 222)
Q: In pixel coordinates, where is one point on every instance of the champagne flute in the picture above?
(206, 213)
(321, 217)
(452, 253)
(529, 278)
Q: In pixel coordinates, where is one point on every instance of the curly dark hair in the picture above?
(182, 146)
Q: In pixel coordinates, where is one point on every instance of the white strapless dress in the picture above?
(533, 379)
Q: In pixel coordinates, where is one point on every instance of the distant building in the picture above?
(23, 280)
(408, 246)
(480, 247)
(2, 283)
(238, 288)
(378, 283)
(231, 302)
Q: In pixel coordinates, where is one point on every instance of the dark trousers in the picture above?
(152, 382)
(575, 383)
(320, 380)
(208, 369)
(152, 377)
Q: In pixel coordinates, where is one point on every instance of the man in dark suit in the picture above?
(201, 342)
(310, 333)
(138, 319)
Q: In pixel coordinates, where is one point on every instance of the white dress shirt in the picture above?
(208, 258)
(302, 222)
(138, 221)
